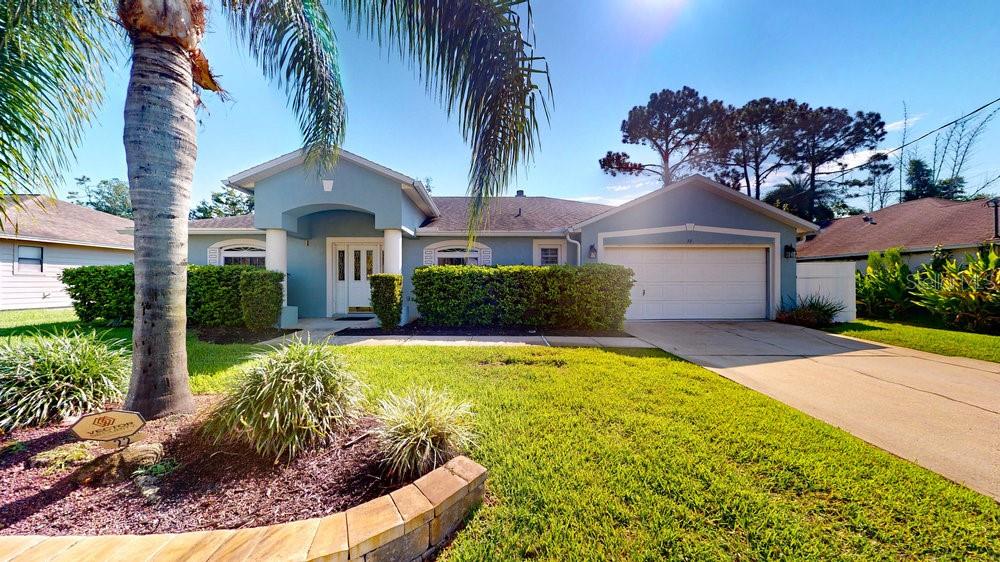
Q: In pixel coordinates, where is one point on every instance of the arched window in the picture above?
(237, 252)
(457, 252)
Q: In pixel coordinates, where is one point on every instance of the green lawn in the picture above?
(924, 337)
(607, 455)
(211, 366)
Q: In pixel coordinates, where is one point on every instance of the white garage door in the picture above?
(694, 283)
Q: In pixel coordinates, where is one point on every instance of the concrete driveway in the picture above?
(942, 413)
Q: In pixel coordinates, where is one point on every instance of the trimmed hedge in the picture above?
(213, 294)
(387, 298)
(101, 292)
(592, 296)
(262, 296)
(106, 293)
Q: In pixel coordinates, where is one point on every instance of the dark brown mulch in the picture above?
(419, 329)
(238, 334)
(215, 487)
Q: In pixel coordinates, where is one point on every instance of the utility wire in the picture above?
(918, 139)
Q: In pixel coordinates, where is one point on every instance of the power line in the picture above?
(918, 139)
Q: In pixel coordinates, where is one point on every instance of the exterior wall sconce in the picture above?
(592, 253)
(790, 252)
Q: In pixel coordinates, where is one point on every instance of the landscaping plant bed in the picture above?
(212, 486)
(417, 328)
(238, 334)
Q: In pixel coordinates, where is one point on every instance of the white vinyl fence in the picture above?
(833, 279)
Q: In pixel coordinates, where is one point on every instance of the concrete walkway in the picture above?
(319, 330)
(942, 413)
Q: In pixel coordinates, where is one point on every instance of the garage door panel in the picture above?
(695, 283)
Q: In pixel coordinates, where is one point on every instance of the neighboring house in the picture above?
(698, 249)
(915, 226)
(42, 237)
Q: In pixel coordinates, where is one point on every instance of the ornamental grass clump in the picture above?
(47, 377)
(421, 430)
(287, 401)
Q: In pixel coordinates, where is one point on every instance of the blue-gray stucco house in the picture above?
(699, 249)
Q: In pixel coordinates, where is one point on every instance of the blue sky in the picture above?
(605, 57)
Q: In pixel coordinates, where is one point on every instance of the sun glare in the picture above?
(648, 21)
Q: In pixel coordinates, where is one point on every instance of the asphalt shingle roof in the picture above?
(506, 214)
(42, 217)
(919, 224)
(241, 221)
(511, 214)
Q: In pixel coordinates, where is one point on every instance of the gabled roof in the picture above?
(801, 225)
(918, 225)
(512, 214)
(44, 219)
(247, 179)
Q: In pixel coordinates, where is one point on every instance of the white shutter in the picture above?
(485, 256)
(428, 257)
(213, 256)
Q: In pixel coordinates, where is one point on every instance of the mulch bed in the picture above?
(238, 334)
(215, 487)
(419, 329)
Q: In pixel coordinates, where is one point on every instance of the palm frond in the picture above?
(296, 47)
(478, 57)
(51, 52)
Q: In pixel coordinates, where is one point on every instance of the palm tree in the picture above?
(474, 54)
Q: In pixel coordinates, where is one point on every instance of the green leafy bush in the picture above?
(261, 296)
(593, 296)
(387, 298)
(883, 290)
(964, 296)
(47, 377)
(288, 400)
(214, 296)
(101, 292)
(421, 430)
(811, 311)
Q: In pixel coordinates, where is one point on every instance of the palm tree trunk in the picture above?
(160, 151)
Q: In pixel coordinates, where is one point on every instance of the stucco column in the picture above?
(276, 256)
(392, 245)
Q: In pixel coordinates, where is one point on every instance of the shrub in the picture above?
(48, 377)
(964, 296)
(387, 298)
(450, 295)
(593, 296)
(101, 292)
(288, 400)
(811, 311)
(261, 296)
(883, 290)
(214, 295)
(421, 430)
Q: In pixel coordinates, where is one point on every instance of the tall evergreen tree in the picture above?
(676, 125)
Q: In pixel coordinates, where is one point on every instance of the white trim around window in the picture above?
(29, 259)
(246, 248)
(542, 251)
(451, 250)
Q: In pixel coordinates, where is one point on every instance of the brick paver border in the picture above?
(408, 524)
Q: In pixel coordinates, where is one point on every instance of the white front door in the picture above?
(694, 283)
(362, 262)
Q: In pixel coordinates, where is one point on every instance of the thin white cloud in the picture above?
(908, 122)
(639, 191)
(633, 184)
